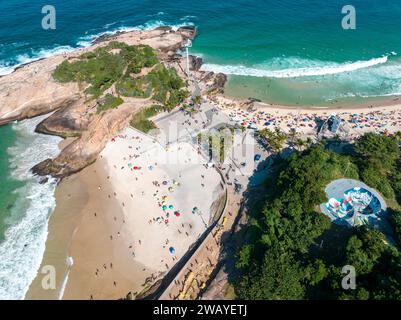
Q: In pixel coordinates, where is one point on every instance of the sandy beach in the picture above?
(119, 218)
(359, 119)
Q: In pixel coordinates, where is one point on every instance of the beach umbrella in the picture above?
(129, 165)
(164, 207)
(172, 250)
(177, 214)
(164, 182)
(171, 207)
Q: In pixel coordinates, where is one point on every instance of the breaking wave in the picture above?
(23, 246)
(294, 68)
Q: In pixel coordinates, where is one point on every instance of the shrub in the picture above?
(109, 102)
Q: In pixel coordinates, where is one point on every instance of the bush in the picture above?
(140, 119)
(103, 67)
(395, 220)
(109, 102)
(373, 179)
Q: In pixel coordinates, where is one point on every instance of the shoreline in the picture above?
(98, 40)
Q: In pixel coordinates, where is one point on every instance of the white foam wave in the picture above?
(312, 68)
(22, 250)
(153, 24)
(7, 68)
(187, 18)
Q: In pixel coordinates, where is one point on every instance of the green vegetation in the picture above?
(123, 65)
(292, 251)
(274, 139)
(104, 66)
(395, 220)
(377, 156)
(197, 100)
(162, 84)
(134, 87)
(109, 102)
(166, 85)
(220, 142)
(140, 119)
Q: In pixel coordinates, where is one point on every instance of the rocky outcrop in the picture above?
(220, 80)
(189, 32)
(84, 150)
(195, 63)
(31, 91)
(68, 122)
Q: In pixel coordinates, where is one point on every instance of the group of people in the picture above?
(383, 120)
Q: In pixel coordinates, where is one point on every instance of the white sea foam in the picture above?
(7, 68)
(297, 68)
(152, 24)
(22, 250)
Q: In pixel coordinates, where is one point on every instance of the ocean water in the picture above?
(284, 52)
(26, 205)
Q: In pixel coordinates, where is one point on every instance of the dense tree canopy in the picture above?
(378, 155)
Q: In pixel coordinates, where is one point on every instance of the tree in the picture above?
(377, 157)
(284, 259)
(395, 221)
(278, 278)
(379, 151)
(274, 139)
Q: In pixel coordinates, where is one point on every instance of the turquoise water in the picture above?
(287, 51)
(25, 205)
(7, 183)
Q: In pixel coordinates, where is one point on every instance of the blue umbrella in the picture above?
(172, 250)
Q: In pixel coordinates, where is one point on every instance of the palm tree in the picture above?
(275, 140)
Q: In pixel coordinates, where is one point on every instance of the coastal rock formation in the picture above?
(219, 81)
(84, 150)
(195, 63)
(31, 91)
(67, 122)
